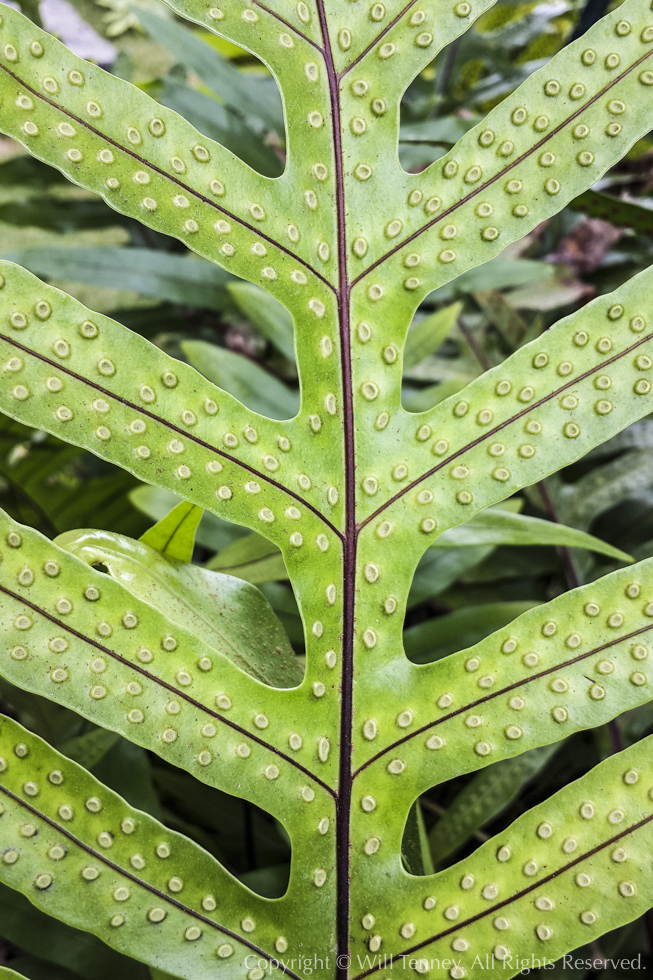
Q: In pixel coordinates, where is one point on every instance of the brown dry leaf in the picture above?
(584, 250)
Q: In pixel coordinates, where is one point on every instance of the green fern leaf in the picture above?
(352, 491)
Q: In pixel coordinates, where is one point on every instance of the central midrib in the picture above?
(350, 536)
(349, 539)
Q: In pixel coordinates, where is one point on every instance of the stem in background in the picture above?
(476, 350)
(442, 81)
(478, 835)
(571, 574)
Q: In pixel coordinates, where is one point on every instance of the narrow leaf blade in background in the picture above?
(624, 214)
(215, 121)
(174, 536)
(498, 527)
(484, 797)
(243, 379)
(252, 558)
(427, 335)
(160, 275)
(212, 533)
(246, 94)
(268, 315)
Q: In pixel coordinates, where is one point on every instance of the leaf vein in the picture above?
(376, 40)
(498, 428)
(501, 691)
(488, 183)
(518, 895)
(290, 27)
(167, 176)
(168, 687)
(175, 428)
(136, 880)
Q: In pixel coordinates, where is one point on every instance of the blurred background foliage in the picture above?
(478, 577)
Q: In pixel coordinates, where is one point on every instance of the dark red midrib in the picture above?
(167, 176)
(174, 428)
(502, 173)
(107, 651)
(349, 540)
(491, 910)
(524, 682)
(166, 899)
(531, 407)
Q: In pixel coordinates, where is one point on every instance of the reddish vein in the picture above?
(488, 183)
(504, 690)
(514, 898)
(170, 177)
(139, 881)
(161, 683)
(498, 428)
(290, 26)
(378, 38)
(174, 428)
